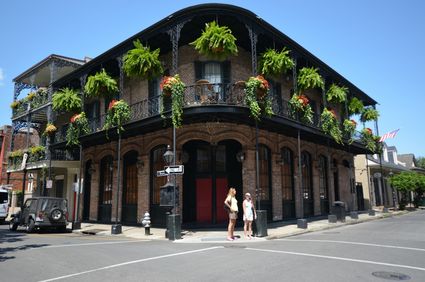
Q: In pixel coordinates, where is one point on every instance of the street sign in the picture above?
(160, 173)
(174, 169)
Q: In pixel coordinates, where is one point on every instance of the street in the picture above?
(386, 249)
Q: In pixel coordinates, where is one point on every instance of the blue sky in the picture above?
(379, 45)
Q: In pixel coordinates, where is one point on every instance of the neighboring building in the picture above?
(410, 162)
(217, 142)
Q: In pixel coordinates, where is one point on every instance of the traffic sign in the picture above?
(161, 173)
(174, 169)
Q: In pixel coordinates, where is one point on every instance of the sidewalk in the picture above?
(275, 230)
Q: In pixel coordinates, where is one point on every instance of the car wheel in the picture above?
(31, 225)
(56, 214)
(13, 226)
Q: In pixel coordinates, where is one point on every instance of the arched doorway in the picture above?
(307, 184)
(87, 190)
(265, 188)
(129, 196)
(210, 169)
(288, 191)
(323, 185)
(105, 189)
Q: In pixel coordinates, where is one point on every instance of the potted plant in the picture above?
(330, 125)
(274, 63)
(216, 42)
(100, 84)
(36, 153)
(142, 62)
(256, 91)
(309, 78)
(349, 129)
(368, 114)
(369, 140)
(355, 106)
(79, 126)
(50, 130)
(66, 100)
(15, 158)
(117, 115)
(299, 105)
(336, 94)
(30, 96)
(172, 86)
(15, 104)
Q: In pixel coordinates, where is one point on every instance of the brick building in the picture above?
(292, 168)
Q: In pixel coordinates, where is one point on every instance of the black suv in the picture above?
(41, 212)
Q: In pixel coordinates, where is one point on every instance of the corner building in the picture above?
(300, 170)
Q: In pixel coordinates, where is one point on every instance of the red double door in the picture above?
(209, 200)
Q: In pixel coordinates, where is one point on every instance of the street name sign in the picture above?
(174, 169)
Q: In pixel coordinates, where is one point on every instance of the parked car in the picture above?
(4, 204)
(41, 213)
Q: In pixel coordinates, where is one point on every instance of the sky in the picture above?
(378, 45)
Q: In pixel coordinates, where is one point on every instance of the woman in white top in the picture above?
(249, 215)
(232, 205)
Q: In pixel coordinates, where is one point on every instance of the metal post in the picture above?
(384, 190)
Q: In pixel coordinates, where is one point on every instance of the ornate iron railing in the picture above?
(41, 98)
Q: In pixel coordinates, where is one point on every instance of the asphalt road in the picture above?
(383, 250)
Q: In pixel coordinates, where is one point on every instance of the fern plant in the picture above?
(66, 100)
(369, 114)
(274, 63)
(336, 94)
(349, 129)
(355, 106)
(216, 42)
(100, 84)
(142, 62)
(309, 78)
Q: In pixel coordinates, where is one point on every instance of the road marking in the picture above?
(131, 262)
(355, 243)
(91, 244)
(338, 258)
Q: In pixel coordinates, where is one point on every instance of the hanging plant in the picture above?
(273, 63)
(369, 140)
(299, 106)
(172, 86)
(355, 107)
(30, 96)
(309, 78)
(142, 62)
(216, 42)
(336, 94)
(330, 125)
(50, 130)
(100, 84)
(79, 126)
(36, 153)
(369, 114)
(256, 92)
(349, 129)
(15, 104)
(118, 114)
(66, 100)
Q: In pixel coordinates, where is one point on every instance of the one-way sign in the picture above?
(161, 173)
(174, 169)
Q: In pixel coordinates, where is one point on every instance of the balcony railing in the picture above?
(41, 98)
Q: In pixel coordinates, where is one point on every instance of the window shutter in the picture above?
(225, 72)
(199, 73)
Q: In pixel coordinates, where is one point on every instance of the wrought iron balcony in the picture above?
(40, 99)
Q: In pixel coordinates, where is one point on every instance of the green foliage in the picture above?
(36, 153)
(273, 63)
(299, 106)
(309, 78)
(370, 141)
(118, 114)
(409, 181)
(100, 84)
(330, 125)
(355, 106)
(30, 96)
(79, 126)
(349, 129)
(142, 62)
(369, 114)
(15, 104)
(216, 42)
(172, 85)
(420, 162)
(50, 129)
(336, 94)
(16, 154)
(66, 100)
(256, 97)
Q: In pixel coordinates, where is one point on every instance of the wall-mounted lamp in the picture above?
(240, 156)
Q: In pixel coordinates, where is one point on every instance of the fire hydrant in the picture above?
(146, 222)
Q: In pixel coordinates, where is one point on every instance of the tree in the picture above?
(408, 181)
(420, 162)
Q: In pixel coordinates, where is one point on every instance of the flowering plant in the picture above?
(256, 90)
(79, 126)
(50, 129)
(118, 113)
(174, 87)
(349, 129)
(330, 125)
(299, 104)
(30, 96)
(36, 153)
(369, 140)
(15, 104)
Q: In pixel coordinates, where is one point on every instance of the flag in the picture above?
(391, 134)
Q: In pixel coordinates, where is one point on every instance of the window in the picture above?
(264, 168)
(106, 181)
(220, 159)
(287, 170)
(323, 183)
(306, 176)
(216, 73)
(203, 159)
